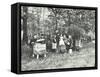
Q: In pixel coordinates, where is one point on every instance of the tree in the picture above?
(33, 21)
(76, 33)
(24, 25)
(55, 13)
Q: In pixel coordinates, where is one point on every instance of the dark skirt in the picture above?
(48, 47)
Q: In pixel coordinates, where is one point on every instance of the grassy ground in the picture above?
(84, 58)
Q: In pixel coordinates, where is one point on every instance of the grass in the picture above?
(84, 58)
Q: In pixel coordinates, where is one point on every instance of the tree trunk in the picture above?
(25, 37)
(56, 23)
(69, 19)
(74, 44)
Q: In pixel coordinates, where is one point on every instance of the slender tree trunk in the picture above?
(25, 37)
(69, 19)
(56, 23)
(74, 44)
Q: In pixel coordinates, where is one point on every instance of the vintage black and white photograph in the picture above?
(54, 38)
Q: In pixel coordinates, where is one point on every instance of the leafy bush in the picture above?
(75, 31)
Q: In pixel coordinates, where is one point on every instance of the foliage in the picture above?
(75, 32)
(40, 19)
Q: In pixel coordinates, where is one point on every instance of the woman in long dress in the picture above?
(62, 44)
(54, 44)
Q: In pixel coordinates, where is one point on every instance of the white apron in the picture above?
(61, 42)
(54, 45)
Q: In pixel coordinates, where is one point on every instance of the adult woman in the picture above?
(48, 43)
(62, 44)
(54, 43)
